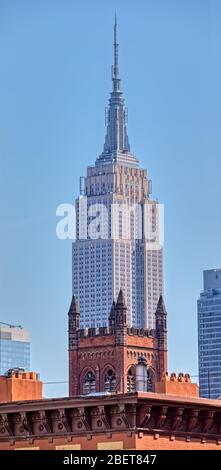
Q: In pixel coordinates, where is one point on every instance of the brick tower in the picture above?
(105, 358)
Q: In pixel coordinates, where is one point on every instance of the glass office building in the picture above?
(209, 335)
(14, 348)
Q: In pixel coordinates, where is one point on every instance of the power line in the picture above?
(52, 383)
(66, 381)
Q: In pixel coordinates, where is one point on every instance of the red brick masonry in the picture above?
(116, 348)
(20, 386)
(119, 421)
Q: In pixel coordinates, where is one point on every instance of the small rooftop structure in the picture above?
(18, 384)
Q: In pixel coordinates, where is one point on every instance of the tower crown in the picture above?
(116, 147)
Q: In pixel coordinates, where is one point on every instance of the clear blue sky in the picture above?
(55, 59)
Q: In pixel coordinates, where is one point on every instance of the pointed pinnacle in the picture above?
(74, 307)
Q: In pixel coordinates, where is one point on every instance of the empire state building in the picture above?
(117, 238)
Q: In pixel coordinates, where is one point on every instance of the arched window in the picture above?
(131, 380)
(89, 384)
(110, 381)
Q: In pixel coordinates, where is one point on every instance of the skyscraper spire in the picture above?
(115, 72)
(116, 146)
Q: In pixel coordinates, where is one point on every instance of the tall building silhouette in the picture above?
(209, 334)
(117, 241)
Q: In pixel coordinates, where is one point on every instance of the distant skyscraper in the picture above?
(111, 251)
(209, 335)
(14, 348)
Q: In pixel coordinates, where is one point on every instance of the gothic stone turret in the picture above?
(73, 323)
(161, 334)
(73, 327)
(118, 319)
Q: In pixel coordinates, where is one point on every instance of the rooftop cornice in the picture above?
(147, 412)
(135, 398)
